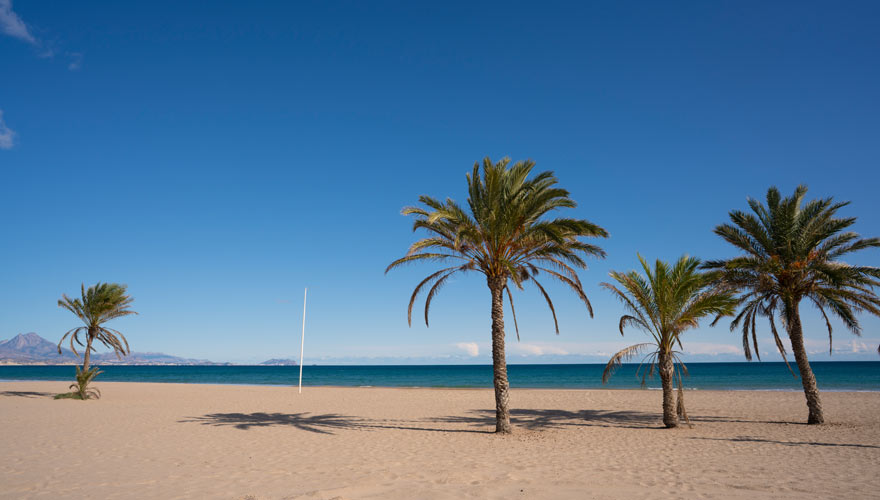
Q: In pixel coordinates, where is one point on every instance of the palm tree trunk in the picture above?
(499, 364)
(88, 353)
(811, 389)
(670, 415)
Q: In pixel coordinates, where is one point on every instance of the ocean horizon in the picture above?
(831, 375)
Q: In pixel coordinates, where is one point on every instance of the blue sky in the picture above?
(219, 157)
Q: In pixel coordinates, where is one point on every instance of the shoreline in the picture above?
(97, 382)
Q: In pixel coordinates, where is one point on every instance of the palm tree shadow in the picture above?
(319, 424)
(747, 439)
(479, 421)
(539, 419)
(728, 420)
(27, 394)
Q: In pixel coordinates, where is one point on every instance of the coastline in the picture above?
(165, 440)
(744, 376)
(450, 388)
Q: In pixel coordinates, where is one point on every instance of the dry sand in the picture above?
(208, 441)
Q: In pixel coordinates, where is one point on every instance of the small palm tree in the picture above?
(506, 237)
(664, 303)
(792, 251)
(99, 304)
(81, 389)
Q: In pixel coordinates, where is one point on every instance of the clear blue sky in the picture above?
(218, 157)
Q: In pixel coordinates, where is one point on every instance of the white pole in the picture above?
(302, 343)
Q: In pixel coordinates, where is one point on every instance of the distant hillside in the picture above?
(279, 362)
(30, 348)
(149, 358)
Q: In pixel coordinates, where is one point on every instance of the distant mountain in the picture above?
(279, 362)
(30, 348)
(148, 358)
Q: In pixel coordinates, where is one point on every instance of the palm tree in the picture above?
(507, 238)
(99, 304)
(664, 303)
(81, 389)
(792, 251)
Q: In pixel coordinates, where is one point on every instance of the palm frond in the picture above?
(549, 303)
(512, 312)
(97, 305)
(505, 232)
(622, 355)
(790, 249)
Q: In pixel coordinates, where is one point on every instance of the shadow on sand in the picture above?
(479, 421)
(536, 419)
(475, 421)
(27, 394)
(320, 424)
(730, 420)
(747, 439)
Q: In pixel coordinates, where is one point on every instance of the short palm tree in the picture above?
(98, 304)
(507, 237)
(791, 252)
(80, 388)
(664, 303)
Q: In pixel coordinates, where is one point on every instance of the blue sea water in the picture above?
(836, 376)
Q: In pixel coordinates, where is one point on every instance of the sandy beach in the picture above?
(209, 441)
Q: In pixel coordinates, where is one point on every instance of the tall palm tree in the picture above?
(791, 252)
(664, 303)
(506, 237)
(98, 304)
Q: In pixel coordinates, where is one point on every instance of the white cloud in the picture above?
(536, 349)
(710, 348)
(856, 346)
(12, 25)
(818, 346)
(7, 135)
(471, 348)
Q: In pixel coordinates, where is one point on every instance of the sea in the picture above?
(767, 376)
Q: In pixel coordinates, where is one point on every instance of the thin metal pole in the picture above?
(303, 342)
